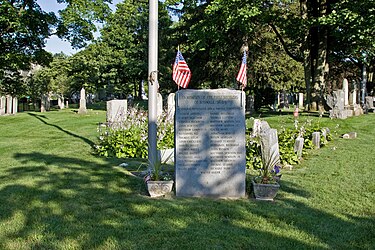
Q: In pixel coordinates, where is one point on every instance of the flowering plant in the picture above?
(269, 173)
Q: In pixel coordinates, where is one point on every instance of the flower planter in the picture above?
(266, 192)
(159, 188)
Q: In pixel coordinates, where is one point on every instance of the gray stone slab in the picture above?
(270, 146)
(298, 146)
(316, 139)
(116, 111)
(210, 143)
(2, 105)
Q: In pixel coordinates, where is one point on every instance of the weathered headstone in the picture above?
(159, 105)
(9, 103)
(82, 102)
(300, 100)
(350, 135)
(298, 146)
(116, 112)
(369, 102)
(2, 105)
(316, 139)
(67, 104)
(264, 126)
(270, 146)
(14, 105)
(210, 143)
(338, 110)
(60, 102)
(345, 88)
(257, 126)
(171, 105)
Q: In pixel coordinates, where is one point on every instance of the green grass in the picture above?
(55, 194)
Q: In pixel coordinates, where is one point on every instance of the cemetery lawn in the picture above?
(56, 194)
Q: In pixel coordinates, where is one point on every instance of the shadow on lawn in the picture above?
(76, 203)
(43, 119)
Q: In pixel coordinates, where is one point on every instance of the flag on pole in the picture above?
(242, 74)
(181, 72)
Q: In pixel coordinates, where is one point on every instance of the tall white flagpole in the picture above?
(152, 82)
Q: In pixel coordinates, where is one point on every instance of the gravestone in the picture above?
(316, 139)
(60, 102)
(82, 102)
(67, 104)
(350, 135)
(338, 110)
(300, 100)
(9, 103)
(2, 105)
(270, 146)
(325, 132)
(171, 105)
(210, 143)
(159, 105)
(14, 105)
(369, 102)
(257, 127)
(298, 146)
(116, 112)
(345, 88)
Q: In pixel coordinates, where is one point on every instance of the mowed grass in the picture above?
(56, 194)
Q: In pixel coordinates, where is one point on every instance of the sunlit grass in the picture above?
(56, 194)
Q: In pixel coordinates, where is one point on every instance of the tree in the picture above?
(24, 26)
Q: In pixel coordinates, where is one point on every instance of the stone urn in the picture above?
(159, 188)
(266, 192)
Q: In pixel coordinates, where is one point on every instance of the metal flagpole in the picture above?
(152, 82)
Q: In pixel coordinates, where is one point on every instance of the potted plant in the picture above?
(266, 184)
(158, 183)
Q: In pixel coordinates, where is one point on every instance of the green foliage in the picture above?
(129, 139)
(286, 139)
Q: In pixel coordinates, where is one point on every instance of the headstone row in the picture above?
(344, 104)
(8, 105)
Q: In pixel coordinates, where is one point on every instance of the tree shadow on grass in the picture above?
(76, 203)
(43, 119)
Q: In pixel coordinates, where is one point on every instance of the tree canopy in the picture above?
(293, 45)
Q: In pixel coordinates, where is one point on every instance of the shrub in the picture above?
(129, 139)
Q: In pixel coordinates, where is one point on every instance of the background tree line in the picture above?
(293, 45)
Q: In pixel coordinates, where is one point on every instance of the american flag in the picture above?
(242, 74)
(181, 72)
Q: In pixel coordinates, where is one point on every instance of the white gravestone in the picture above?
(60, 102)
(82, 102)
(15, 105)
(316, 139)
(116, 111)
(171, 105)
(298, 146)
(210, 143)
(270, 145)
(9, 102)
(2, 105)
(300, 100)
(345, 87)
